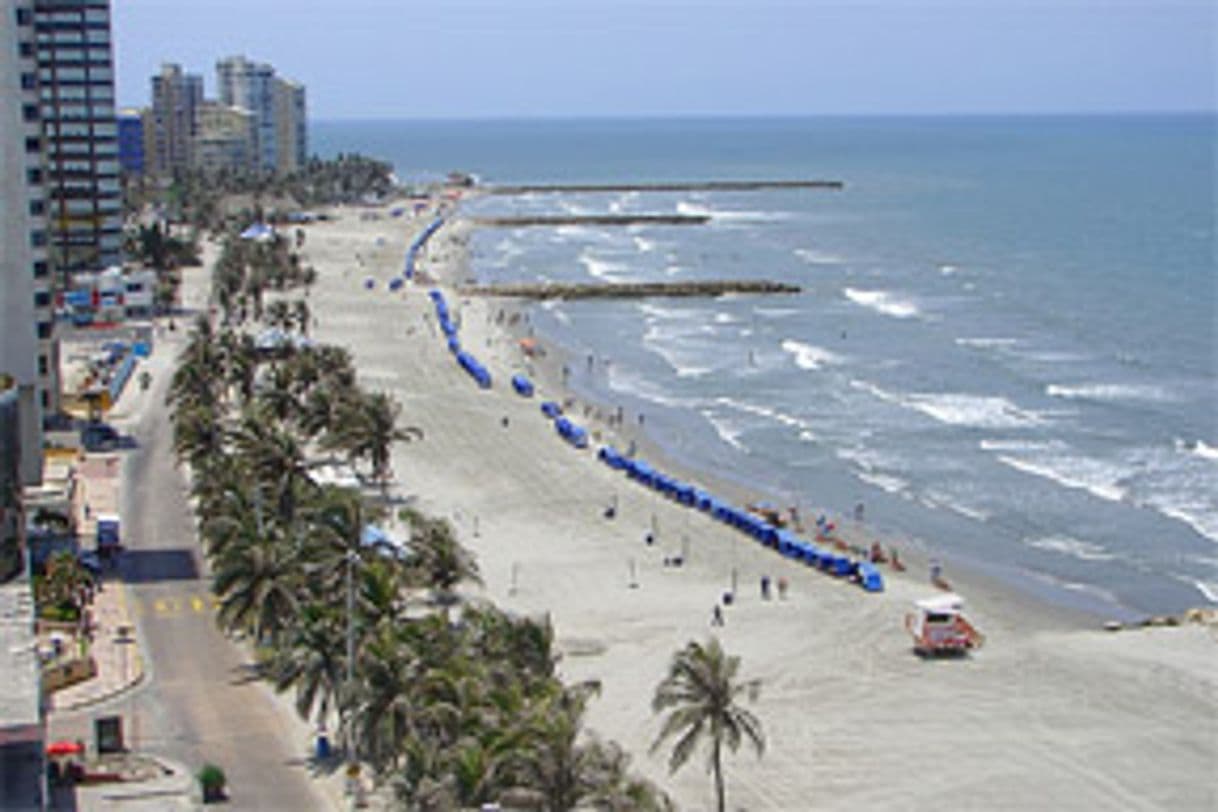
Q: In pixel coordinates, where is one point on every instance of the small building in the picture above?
(131, 140)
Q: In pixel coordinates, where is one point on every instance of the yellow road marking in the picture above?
(196, 603)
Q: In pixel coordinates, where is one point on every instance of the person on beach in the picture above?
(782, 588)
(717, 616)
(858, 512)
(936, 570)
(765, 587)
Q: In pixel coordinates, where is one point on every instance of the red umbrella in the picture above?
(64, 748)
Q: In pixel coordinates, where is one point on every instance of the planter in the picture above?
(212, 782)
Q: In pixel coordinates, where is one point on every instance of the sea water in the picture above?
(1005, 347)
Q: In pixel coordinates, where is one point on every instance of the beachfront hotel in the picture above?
(28, 353)
(277, 106)
(75, 81)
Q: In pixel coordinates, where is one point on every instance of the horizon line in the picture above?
(711, 116)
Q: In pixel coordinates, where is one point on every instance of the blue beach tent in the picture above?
(550, 409)
(869, 578)
(522, 385)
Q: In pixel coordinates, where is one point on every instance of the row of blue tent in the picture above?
(787, 543)
(419, 241)
(467, 361)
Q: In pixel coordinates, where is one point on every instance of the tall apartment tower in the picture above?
(176, 99)
(26, 328)
(76, 82)
(242, 83)
(291, 130)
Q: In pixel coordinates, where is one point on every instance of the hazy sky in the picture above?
(456, 58)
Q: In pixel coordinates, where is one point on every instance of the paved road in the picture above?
(198, 703)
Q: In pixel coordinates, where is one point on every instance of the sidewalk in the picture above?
(120, 665)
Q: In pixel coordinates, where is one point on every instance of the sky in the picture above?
(574, 58)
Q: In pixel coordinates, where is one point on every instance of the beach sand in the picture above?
(1052, 713)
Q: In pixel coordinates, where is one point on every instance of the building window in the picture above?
(44, 329)
(34, 176)
(29, 81)
(41, 269)
(44, 368)
(33, 144)
(26, 50)
(29, 112)
(38, 238)
(42, 298)
(38, 208)
(46, 400)
(24, 16)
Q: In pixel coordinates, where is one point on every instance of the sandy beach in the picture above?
(1053, 712)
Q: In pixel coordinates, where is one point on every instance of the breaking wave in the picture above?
(885, 302)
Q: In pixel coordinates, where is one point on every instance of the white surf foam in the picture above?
(1204, 451)
(936, 499)
(691, 209)
(1109, 392)
(885, 302)
(644, 245)
(987, 343)
(726, 318)
(728, 432)
(1069, 546)
(948, 270)
(977, 411)
(1209, 589)
(765, 412)
(955, 409)
(601, 268)
(808, 356)
(1081, 473)
(885, 482)
(814, 257)
(635, 385)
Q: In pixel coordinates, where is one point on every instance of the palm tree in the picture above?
(701, 696)
(367, 428)
(440, 560)
(311, 661)
(258, 584)
(550, 758)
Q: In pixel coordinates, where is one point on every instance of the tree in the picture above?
(438, 558)
(311, 661)
(367, 428)
(701, 697)
(258, 584)
(550, 758)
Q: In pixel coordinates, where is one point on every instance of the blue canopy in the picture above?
(869, 578)
(550, 409)
(522, 385)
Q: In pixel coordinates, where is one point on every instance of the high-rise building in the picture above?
(28, 359)
(290, 126)
(176, 97)
(242, 83)
(277, 106)
(132, 159)
(76, 84)
(225, 139)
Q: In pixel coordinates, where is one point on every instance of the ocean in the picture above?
(1005, 347)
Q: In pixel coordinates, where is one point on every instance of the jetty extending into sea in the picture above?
(593, 220)
(630, 290)
(662, 186)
